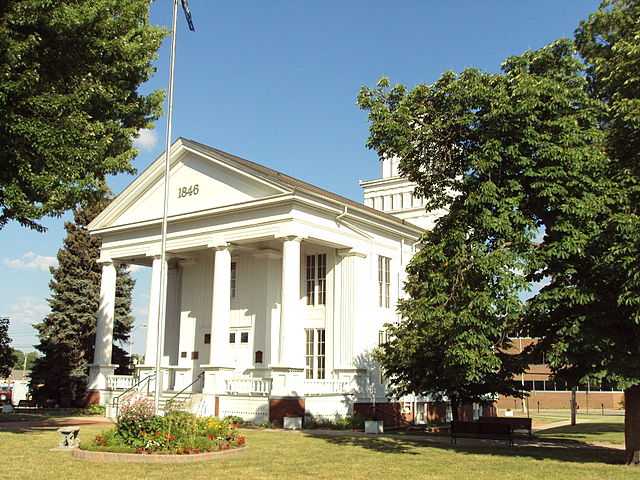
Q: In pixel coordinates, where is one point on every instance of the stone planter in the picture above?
(374, 426)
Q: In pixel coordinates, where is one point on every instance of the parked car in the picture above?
(5, 394)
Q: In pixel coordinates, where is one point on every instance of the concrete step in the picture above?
(180, 400)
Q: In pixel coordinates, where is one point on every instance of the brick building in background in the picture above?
(547, 393)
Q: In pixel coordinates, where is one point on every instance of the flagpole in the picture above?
(163, 242)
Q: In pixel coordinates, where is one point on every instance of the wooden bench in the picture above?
(27, 404)
(496, 431)
(517, 423)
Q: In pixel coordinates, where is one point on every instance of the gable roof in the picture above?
(292, 182)
(280, 180)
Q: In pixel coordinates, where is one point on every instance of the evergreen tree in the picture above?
(67, 333)
(6, 352)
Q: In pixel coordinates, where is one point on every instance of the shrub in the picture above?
(234, 420)
(136, 420)
(94, 409)
(139, 429)
(337, 423)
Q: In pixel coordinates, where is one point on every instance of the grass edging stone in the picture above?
(102, 456)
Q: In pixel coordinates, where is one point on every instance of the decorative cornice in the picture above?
(348, 252)
(267, 253)
(220, 246)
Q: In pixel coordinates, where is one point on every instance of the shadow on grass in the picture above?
(612, 433)
(42, 422)
(564, 451)
(376, 443)
(591, 429)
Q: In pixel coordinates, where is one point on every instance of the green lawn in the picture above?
(593, 428)
(545, 417)
(291, 455)
(591, 432)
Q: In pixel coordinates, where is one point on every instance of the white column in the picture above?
(287, 369)
(220, 362)
(219, 355)
(291, 326)
(102, 366)
(152, 316)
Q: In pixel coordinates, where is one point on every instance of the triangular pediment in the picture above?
(197, 182)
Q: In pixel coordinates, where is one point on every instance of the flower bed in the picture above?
(139, 430)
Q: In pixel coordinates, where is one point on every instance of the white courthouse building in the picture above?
(277, 290)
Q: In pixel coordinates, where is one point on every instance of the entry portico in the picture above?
(276, 289)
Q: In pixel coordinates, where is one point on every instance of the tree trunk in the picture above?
(455, 403)
(632, 425)
(574, 405)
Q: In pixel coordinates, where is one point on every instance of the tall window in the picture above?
(320, 358)
(308, 354)
(316, 279)
(315, 365)
(234, 279)
(384, 281)
(311, 279)
(382, 339)
(322, 279)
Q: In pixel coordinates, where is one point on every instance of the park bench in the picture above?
(495, 431)
(517, 423)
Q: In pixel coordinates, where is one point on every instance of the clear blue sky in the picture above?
(276, 82)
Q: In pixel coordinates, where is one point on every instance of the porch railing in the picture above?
(323, 387)
(248, 385)
(120, 382)
(180, 399)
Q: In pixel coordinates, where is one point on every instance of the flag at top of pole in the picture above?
(187, 14)
(163, 237)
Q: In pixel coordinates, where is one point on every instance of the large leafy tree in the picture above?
(70, 103)
(513, 156)
(67, 334)
(588, 317)
(6, 352)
